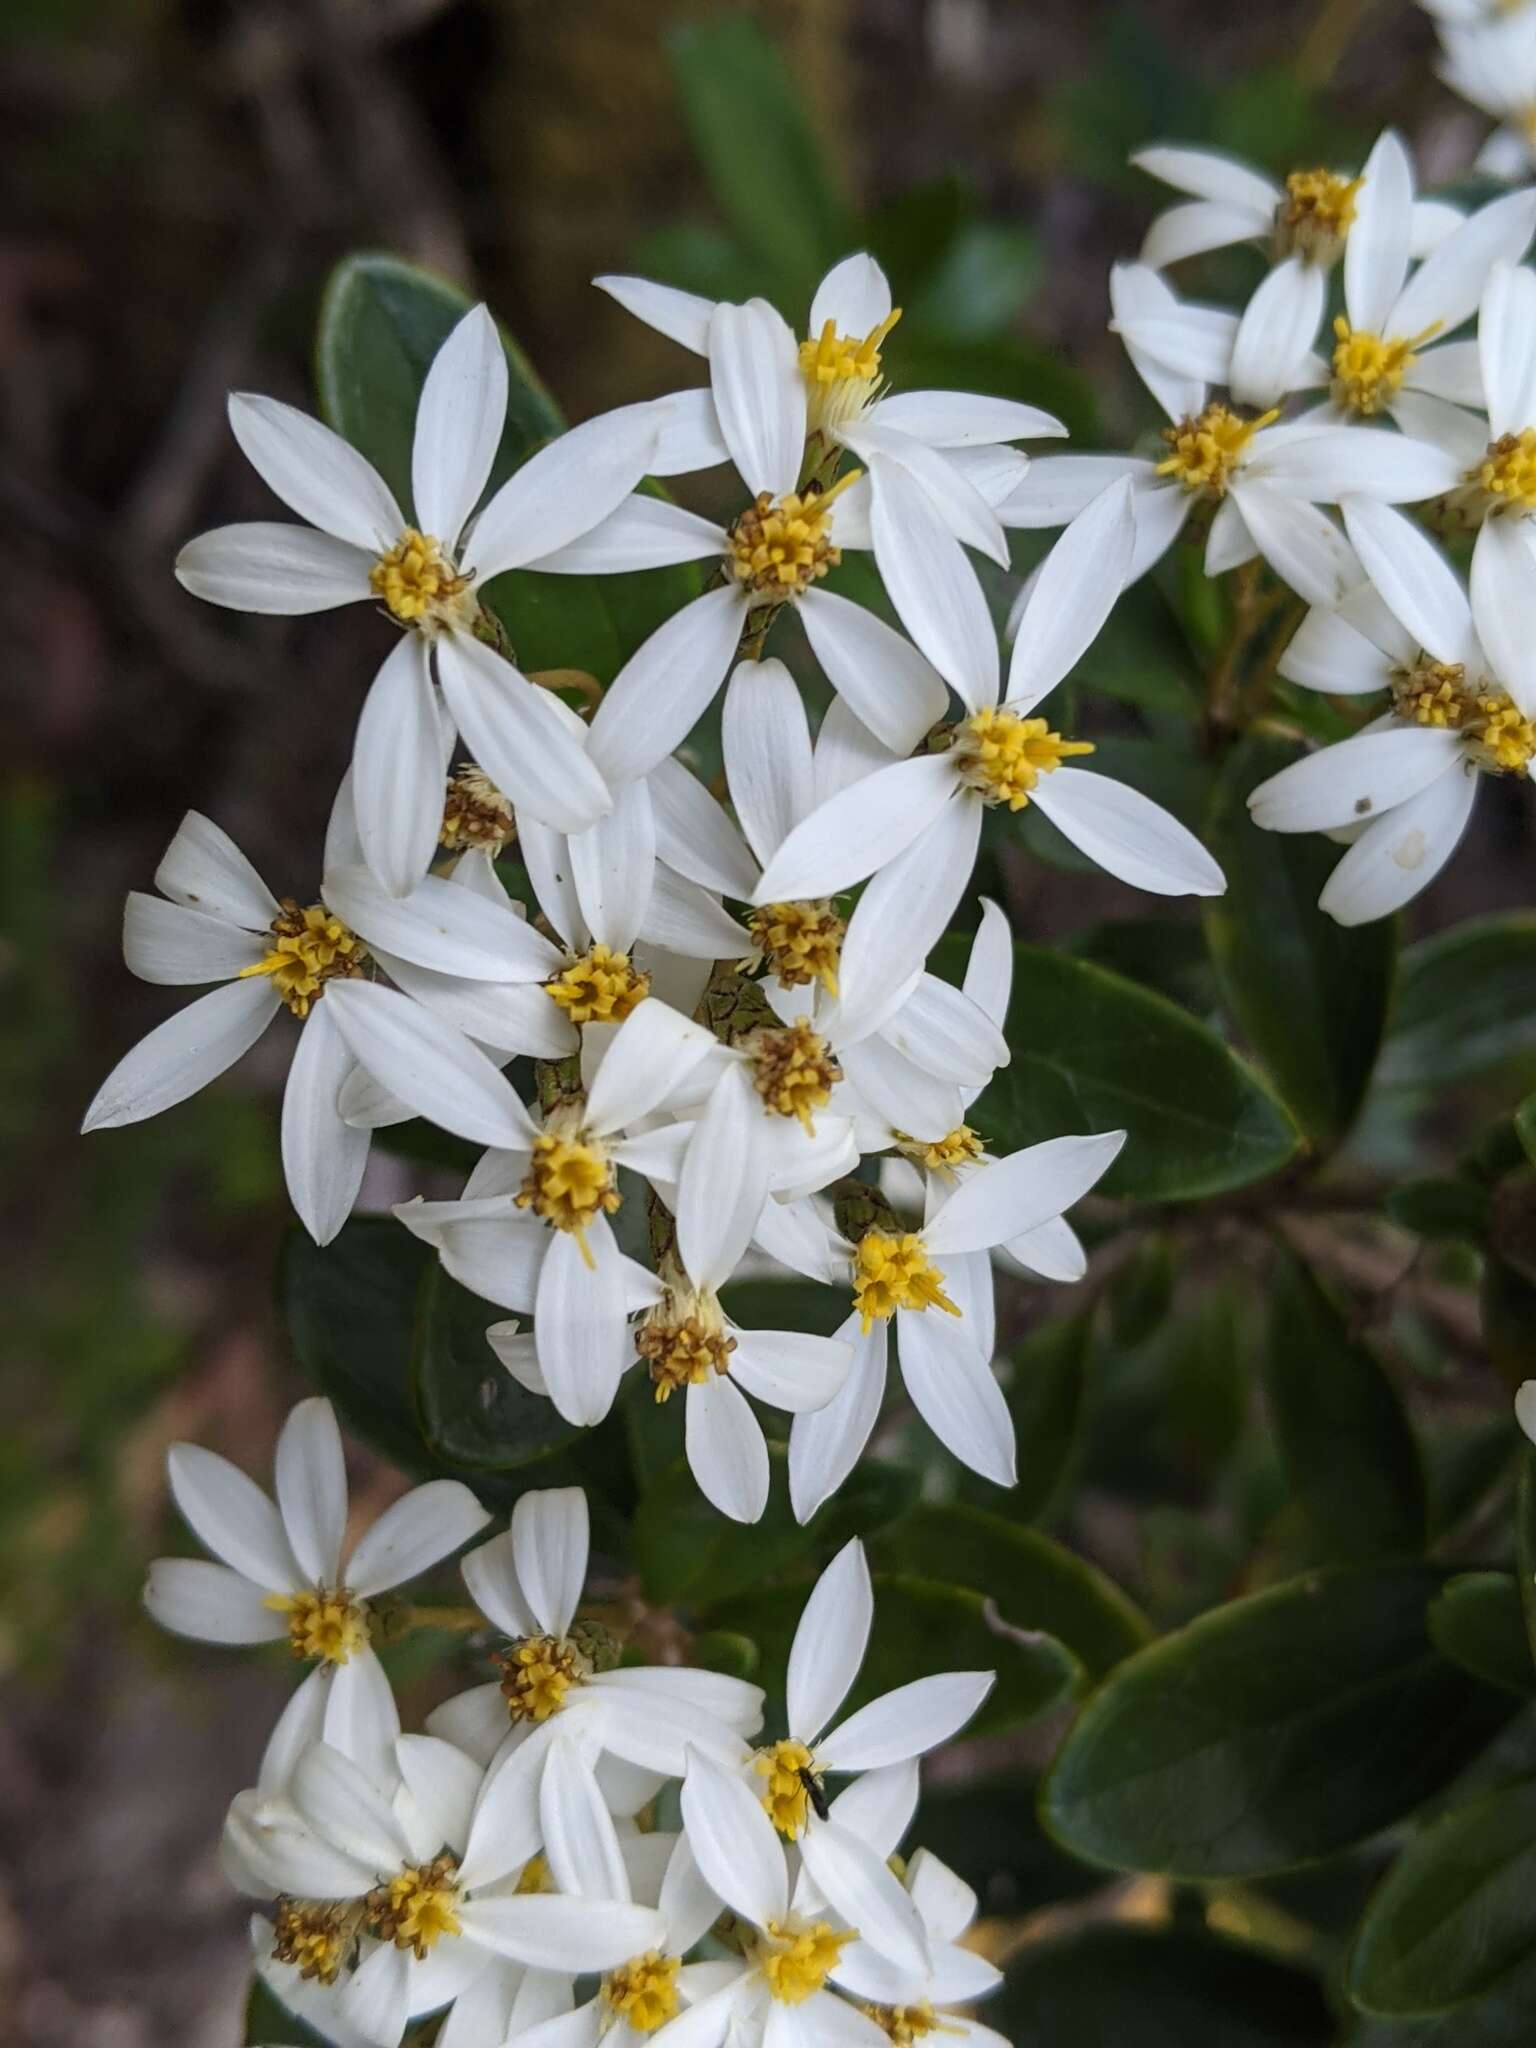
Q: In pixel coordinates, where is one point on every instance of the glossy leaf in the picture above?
(1525, 1541)
(472, 1411)
(1277, 1729)
(1477, 1620)
(1466, 1003)
(1047, 1384)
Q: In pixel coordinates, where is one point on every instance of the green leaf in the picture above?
(1525, 1541)
(1310, 995)
(1093, 1052)
(1446, 1207)
(1141, 1290)
(1136, 1987)
(921, 1627)
(1278, 1729)
(1525, 1127)
(1466, 1003)
(1046, 1390)
(986, 278)
(765, 164)
(1478, 1622)
(988, 1832)
(1033, 1582)
(1001, 366)
(269, 2023)
(472, 1411)
(1454, 1913)
(1500, 2019)
(1346, 1444)
(1160, 954)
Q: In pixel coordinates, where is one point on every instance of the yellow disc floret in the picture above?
(602, 987)
(792, 1070)
(417, 1908)
(800, 942)
(1500, 738)
(684, 1341)
(569, 1183)
(1002, 756)
(1368, 369)
(787, 1772)
(316, 1936)
(842, 372)
(1316, 215)
(1506, 476)
(420, 585)
(780, 546)
(323, 1621)
(537, 1673)
(905, 2024)
(1208, 446)
(310, 947)
(476, 816)
(895, 1272)
(643, 1991)
(942, 1155)
(797, 1957)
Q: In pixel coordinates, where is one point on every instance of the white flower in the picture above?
(911, 2004)
(1267, 481)
(1525, 1408)
(935, 1285)
(216, 920)
(1000, 754)
(1492, 63)
(1498, 494)
(429, 575)
(280, 1574)
(1311, 215)
(1462, 679)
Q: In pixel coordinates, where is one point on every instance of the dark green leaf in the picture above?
(1525, 1127)
(988, 1831)
(1525, 1541)
(1168, 957)
(1310, 995)
(1466, 1002)
(1045, 1398)
(1278, 1729)
(1136, 1987)
(1448, 1207)
(1093, 1052)
(1478, 1622)
(911, 235)
(918, 359)
(1501, 2019)
(1454, 1915)
(982, 285)
(1141, 1290)
(1465, 1462)
(1509, 1320)
(1033, 1582)
(472, 1410)
(1344, 1439)
(722, 1650)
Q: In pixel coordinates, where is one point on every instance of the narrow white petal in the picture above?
(681, 316)
(932, 585)
(571, 1935)
(399, 760)
(859, 830)
(579, 1323)
(315, 472)
(1015, 1193)
(790, 1369)
(360, 1717)
(428, 1065)
(754, 370)
(376, 1998)
(946, 1032)
(490, 1573)
(726, 1451)
(892, 689)
(522, 744)
(1421, 417)
(1505, 326)
(640, 533)
(767, 746)
(1073, 592)
(1329, 652)
(1377, 248)
(563, 491)
(965, 513)
(343, 1805)
(866, 1893)
(579, 1838)
(441, 1782)
(445, 927)
(323, 1156)
(458, 426)
(693, 834)
(854, 295)
(734, 1841)
(494, 1256)
(1402, 853)
(825, 1446)
(1452, 372)
(1417, 583)
(724, 1181)
(504, 1828)
(504, 1016)
(1057, 487)
(413, 1533)
(184, 1054)
(1447, 285)
(989, 971)
(902, 915)
(962, 419)
(953, 1389)
(1137, 292)
(1209, 174)
(174, 946)
(1366, 462)
(1128, 835)
(1276, 333)
(550, 1541)
(1357, 779)
(665, 687)
(830, 1640)
(210, 1602)
(907, 1722)
(685, 920)
(268, 566)
(1230, 544)
(1051, 1251)
(1202, 225)
(612, 865)
(204, 869)
(846, 750)
(1299, 541)
(1504, 605)
(650, 1056)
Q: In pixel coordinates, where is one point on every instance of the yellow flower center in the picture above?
(780, 546)
(801, 942)
(684, 1342)
(797, 1959)
(315, 1935)
(417, 1908)
(1368, 370)
(792, 1070)
(842, 372)
(602, 987)
(942, 1155)
(643, 1991)
(569, 1182)
(536, 1675)
(476, 816)
(1209, 446)
(420, 585)
(310, 947)
(323, 1621)
(1507, 473)
(1501, 739)
(905, 2024)
(1315, 215)
(1002, 756)
(895, 1272)
(789, 1778)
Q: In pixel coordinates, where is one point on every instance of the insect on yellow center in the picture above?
(792, 1070)
(942, 1155)
(324, 1622)
(643, 1991)
(799, 942)
(1002, 756)
(1368, 369)
(417, 1908)
(905, 2024)
(602, 987)
(1316, 215)
(780, 546)
(477, 818)
(787, 1774)
(684, 1342)
(315, 1935)
(895, 1272)
(569, 1183)
(796, 1958)
(536, 1675)
(842, 371)
(1507, 473)
(419, 584)
(1206, 448)
(309, 948)
(1500, 738)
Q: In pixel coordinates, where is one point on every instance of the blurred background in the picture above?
(181, 177)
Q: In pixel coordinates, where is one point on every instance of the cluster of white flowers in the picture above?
(483, 1867)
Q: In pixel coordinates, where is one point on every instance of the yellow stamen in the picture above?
(785, 1767)
(797, 1959)
(895, 1272)
(842, 372)
(312, 947)
(569, 1183)
(905, 2024)
(536, 1675)
(315, 1935)
(792, 1070)
(1500, 738)
(602, 987)
(684, 1341)
(417, 1908)
(942, 1155)
(1368, 370)
(643, 1991)
(1209, 446)
(535, 1878)
(1507, 473)
(780, 546)
(801, 942)
(1316, 215)
(1002, 756)
(420, 585)
(476, 816)
(323, 1621)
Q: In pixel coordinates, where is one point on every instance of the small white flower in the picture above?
(1492, 63)
(1462, 679)
(429, 575)
(1498, 493)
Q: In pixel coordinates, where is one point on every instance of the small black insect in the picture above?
(815, 1793)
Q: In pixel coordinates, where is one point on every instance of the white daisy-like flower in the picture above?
(1001, 753)
(1462, 680)
(1498, 492)
(1492, 63)
(559, 1676)
(280, 1573)
(1268, 482)
(216, 920)
(428, 571)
